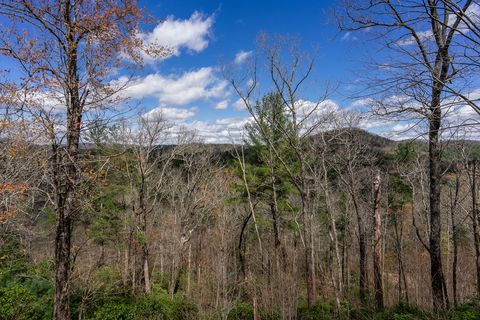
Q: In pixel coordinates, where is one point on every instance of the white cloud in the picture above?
(192, 34)
(473, 13)
(224, 130)
(362, 103)
(239, 105)
(345, 36)
(222, 105)
(422, 36)
(177, 90)
(308, 108)
(369, 123)
(242, 56)
(348, 36)
(173, 114)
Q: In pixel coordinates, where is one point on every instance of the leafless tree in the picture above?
(65, 58)
(144, 142)
(288, 70)
(421, 81)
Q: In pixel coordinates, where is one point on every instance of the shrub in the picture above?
(154, 307)
(402, 311)
(269, 315)
(17, 302)
(184, 309)
(115, 311)
(468, 311)
(321, 310)
(241, 311)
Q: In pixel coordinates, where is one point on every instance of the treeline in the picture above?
(203, 231)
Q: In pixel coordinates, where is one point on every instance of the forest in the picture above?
(111, 211)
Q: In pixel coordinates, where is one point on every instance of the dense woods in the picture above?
(106, 214)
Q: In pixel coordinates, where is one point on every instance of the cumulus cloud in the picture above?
(422, 36)
(177, 90)
(242, 56)
(312, 109)
(224, 130)
(473, 13)
(192, 34)
(366, 102)
(172, 114)
(222, 105)
(239, 105)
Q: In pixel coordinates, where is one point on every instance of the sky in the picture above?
(189, 88)
(190, 91)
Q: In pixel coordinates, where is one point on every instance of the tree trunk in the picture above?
(62, 267)
(436, 270)
(362, 265)
(476, 236)
(145, 256)
(308, 251)
(67, 177)
(401, 264)
(377, 244)
(362, 250)
(189, 269)
(146, 271)
(453, 207)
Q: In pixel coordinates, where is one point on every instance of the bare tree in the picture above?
(421, 83)
(289, 70)
(148, 158)
(65, 57)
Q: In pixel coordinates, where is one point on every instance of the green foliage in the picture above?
(321, 310)
(12, 261)
(241, 311)
(23, 285)
(399, 193)
(184, 309)
(402, 311)
(269, 315)
(468, 311)
(103, 228)
(116, 311)
(18, 303)
(105, 222)
(48, 216)
(405, 153)
(109, 279)
(156, 305)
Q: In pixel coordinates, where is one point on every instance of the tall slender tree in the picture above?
(65, 51)
(422, 81)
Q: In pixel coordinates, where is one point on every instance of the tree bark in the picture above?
(377, 244)
(308, 234)
(62, 266)
(436, 270)
(362, 250)
(453, 207)
(399, 251)
(67, 176)
(476, 236)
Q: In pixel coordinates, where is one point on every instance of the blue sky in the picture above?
(188, 86)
